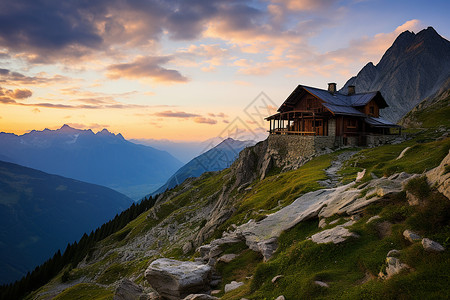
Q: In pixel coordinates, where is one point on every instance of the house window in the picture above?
(372, 110)
(351, 123)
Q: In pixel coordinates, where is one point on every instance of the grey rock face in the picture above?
(200, 297)
(413, 68)
(432, 246)
(322, 203)
(321, 283)
(128, 290)
(393, 253)
(373, 218)
(394, 266)
(175, 279)
(334, 235)
(411, 236)
(232, 286)
(439, 177)
(276, 278)
(226, 258)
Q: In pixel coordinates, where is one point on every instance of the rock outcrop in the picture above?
(200, 297)
(334, 235)
(232, 286)
(440, 176)
(411, 236)
(175, 279)
(432, 246)
(261, 236)
(393, 267)
(128, 290)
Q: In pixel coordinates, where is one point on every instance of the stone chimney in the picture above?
(332, 87)
(351, 90)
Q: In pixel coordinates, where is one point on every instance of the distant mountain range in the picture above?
(416, 66)
(40, 213)
(182, 150)
(101, 158)
(215, 159)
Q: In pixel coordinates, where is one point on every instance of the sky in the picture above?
(186, 69)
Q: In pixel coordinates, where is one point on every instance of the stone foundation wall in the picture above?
(289, 149)
(332, 127)
(376, 140)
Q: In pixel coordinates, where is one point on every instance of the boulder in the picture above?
(412, 199)
(360, 175)
(275, 279)
(403, 153)
(128, 290)
(321, 283)
(232, 286)
(322, 223)
(334, 235)
(334, 222)
(261, 236)
(226, 258)
(280, 298)
(411, 236)
(200, 297)
(440, 177)
(154, 296)
(393, 253)
(393, 266)
(268, 247)
(373, 218)
(432, 246)
(175, 279)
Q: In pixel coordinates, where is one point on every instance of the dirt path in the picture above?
(333, 178)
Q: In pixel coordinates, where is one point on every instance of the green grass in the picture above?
(279, 190)
(85, 291)
(344, 266)
(422, 156)
(433, 116)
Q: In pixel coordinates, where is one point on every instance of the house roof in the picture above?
(337, 103)
(379, 122)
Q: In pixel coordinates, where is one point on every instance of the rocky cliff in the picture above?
(415, 67)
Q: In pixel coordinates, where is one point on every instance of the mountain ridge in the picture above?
(215, 159)
(41, 213)
(413, 68)
(102, 158)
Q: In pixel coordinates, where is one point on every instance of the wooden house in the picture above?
(349, 117)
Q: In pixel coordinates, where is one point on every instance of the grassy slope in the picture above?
(437, 114)
(344, 267)
(299, 260)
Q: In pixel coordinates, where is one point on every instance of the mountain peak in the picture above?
(414, 67)
(67, 129)
(105, 132)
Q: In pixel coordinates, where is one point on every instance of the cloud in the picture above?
(218, 115)
(35, 110)
(47, 31)
(302, 5)
(175, 114)
(14, 78)
(211, 56)
(194, 117)
(10, 96)
(146, 67)
(204, 120)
